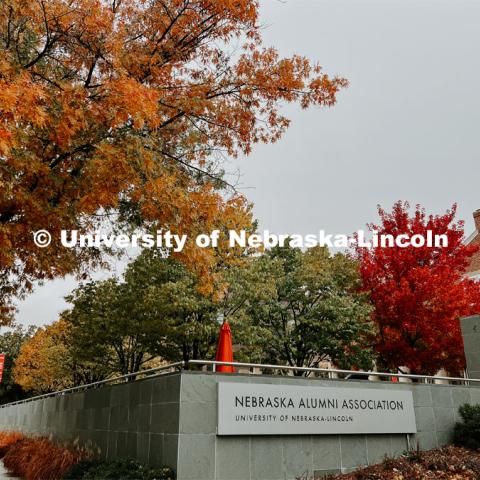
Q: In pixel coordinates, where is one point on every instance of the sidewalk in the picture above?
(4, 474)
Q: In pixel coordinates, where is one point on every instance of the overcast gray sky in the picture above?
(406, 128)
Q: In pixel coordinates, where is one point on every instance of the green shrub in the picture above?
(117, 469)
(467, 433)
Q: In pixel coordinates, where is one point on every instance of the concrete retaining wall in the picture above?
(172, 419)
(133, 420)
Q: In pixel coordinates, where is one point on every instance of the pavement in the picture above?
(4, 474)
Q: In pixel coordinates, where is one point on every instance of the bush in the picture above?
(7, 439)
(467, 433)
(40, 459)
(118, 469)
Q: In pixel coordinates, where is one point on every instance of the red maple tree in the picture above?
(419, 293)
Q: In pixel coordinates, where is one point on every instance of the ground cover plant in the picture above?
(467, 432)
(124, 469)
(447, 463)
(7, 439)
(40, 459)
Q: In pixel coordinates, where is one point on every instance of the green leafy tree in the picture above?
(108, 327)
(246, 287)
(10, 344)
(167, 295)
(304, 308)
(284, 306)
(157, 310)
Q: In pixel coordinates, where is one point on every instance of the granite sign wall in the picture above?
(172, 420)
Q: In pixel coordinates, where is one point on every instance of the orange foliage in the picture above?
(112, 104)
(40, 459)
(7, 439)
(44, 363)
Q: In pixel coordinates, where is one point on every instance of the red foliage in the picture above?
(40, 459)
(419, 294)
(7, 439)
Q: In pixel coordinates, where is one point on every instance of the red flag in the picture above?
(225, 349)
(2, 363)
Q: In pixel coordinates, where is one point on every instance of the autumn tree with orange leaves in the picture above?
(47, 362)
(120, 109)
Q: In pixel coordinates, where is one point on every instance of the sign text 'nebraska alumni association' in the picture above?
(265, 409)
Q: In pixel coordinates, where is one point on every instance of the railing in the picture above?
(118, 379)
(252, 368)
(329, 371)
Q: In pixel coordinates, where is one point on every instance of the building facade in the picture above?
(473, 270)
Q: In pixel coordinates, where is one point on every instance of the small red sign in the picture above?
(2, 363)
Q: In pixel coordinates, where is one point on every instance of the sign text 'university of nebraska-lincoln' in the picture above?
(265, 409)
